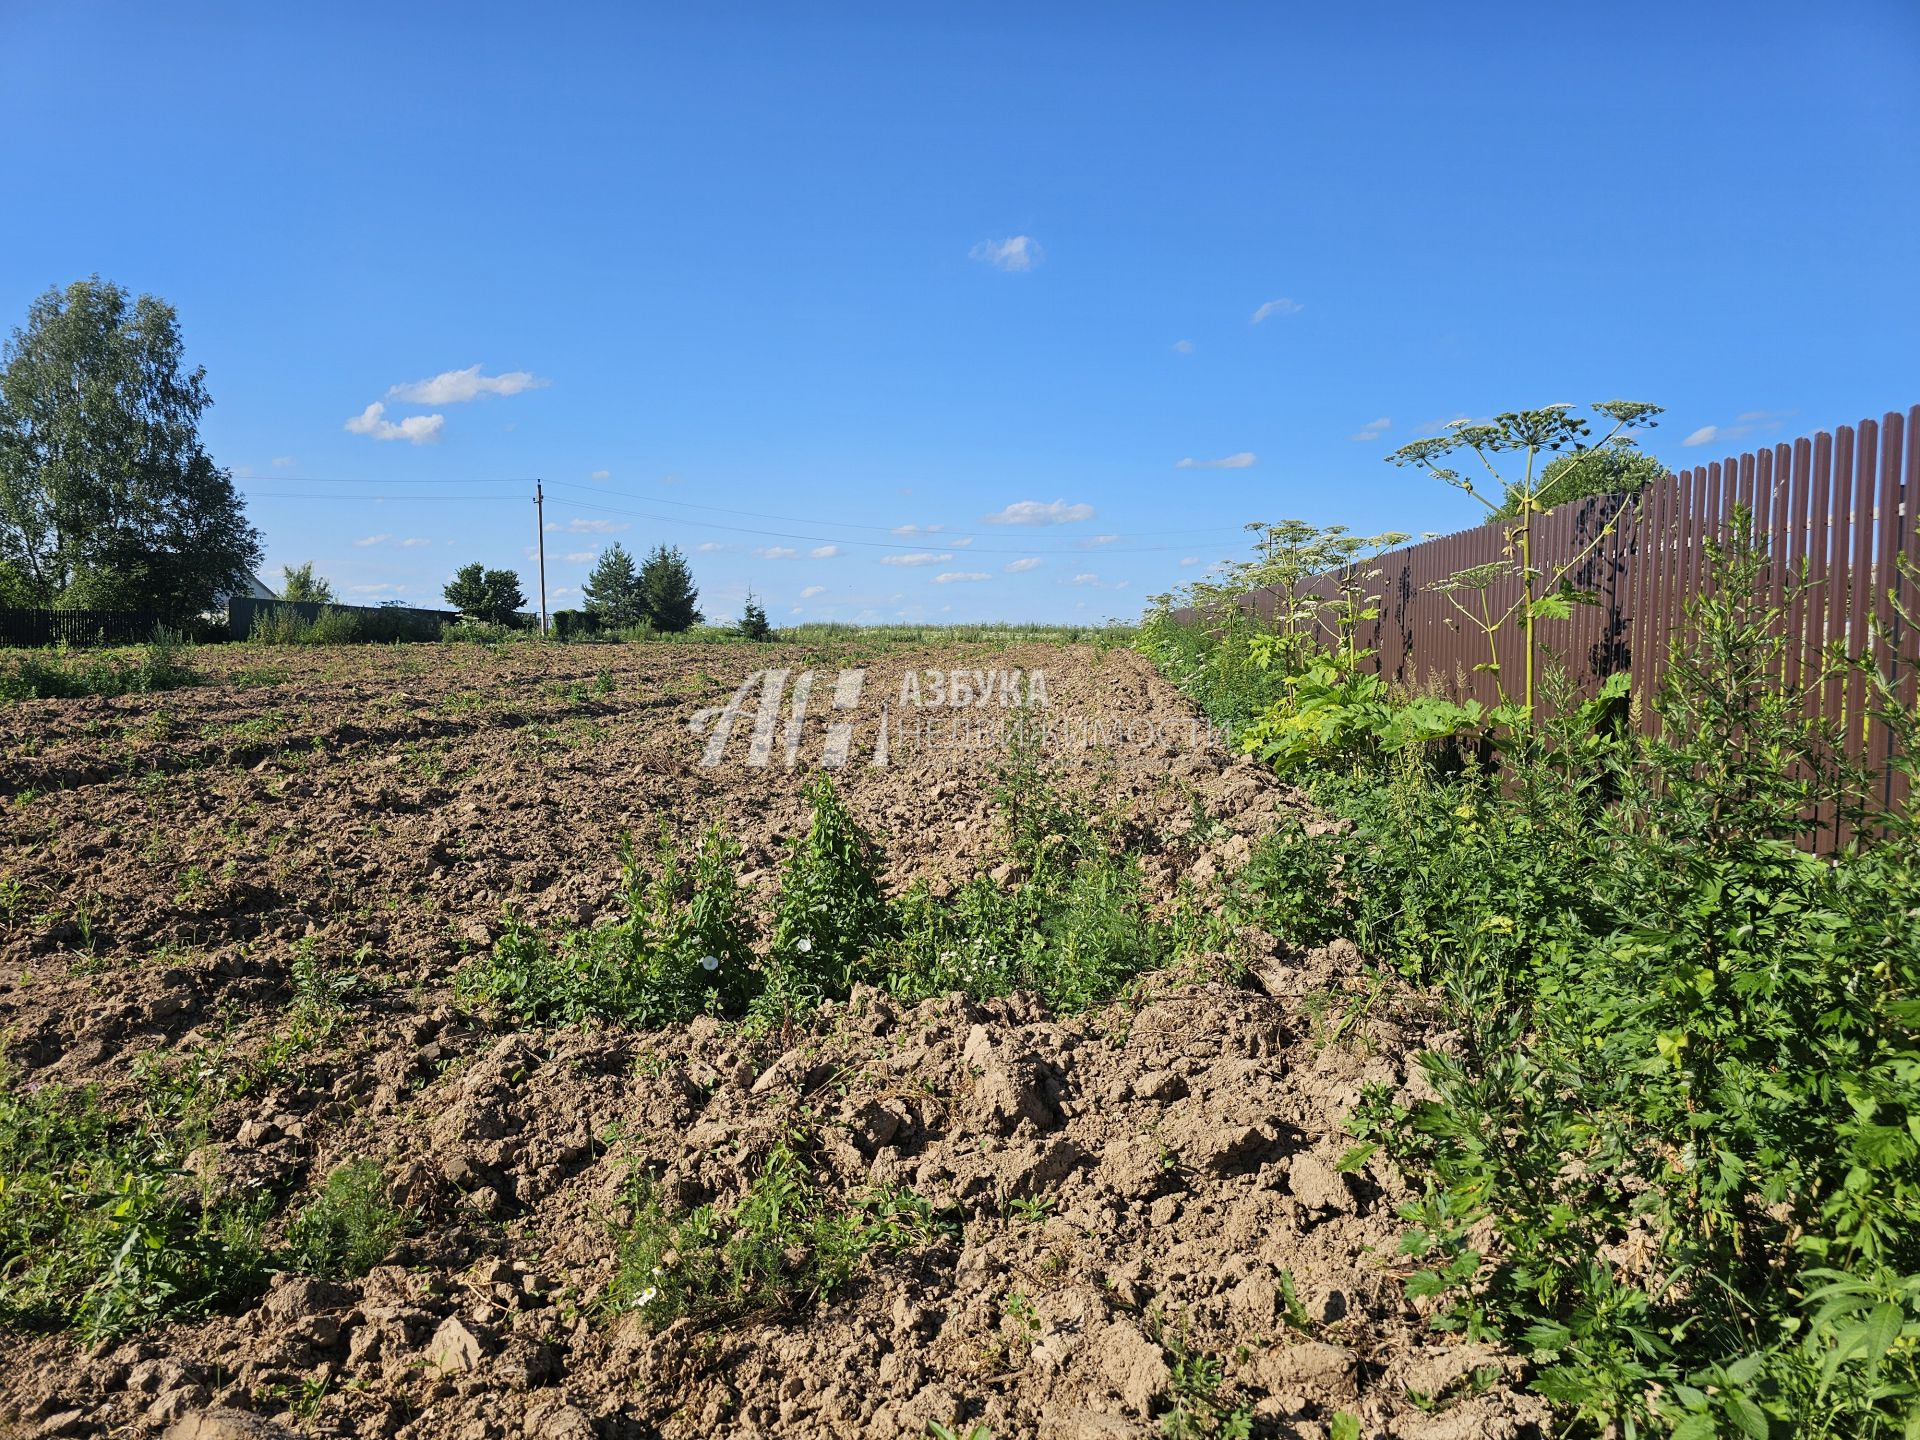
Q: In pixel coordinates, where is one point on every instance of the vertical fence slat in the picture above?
(1778, 471)
(1860, 585)
(1886, 551)
(1906, 607)
(1799, 560)
(1839, 564)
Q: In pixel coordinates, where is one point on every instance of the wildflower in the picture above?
(803, 945)
(709, 962)
(645, 1298)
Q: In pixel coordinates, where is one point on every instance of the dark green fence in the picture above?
(369, 623)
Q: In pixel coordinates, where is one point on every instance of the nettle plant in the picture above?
(1545, 589)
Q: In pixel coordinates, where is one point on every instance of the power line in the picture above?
(336, 497)
(934, 543)
(810, 519)
(375, 480)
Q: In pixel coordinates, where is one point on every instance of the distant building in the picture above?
(250, 588)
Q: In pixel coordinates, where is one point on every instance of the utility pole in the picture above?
(540, 534)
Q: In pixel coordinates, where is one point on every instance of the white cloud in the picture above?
(961, 541)
(415, 429)
(366, 540)
(1190, 560)
(381, 589)
(414, 542)
(1034, 512)
(916, 557)
(1373, 429)
(813, 590)
(1183, 347)
(1094, 542)
(1239, 461)
(456, 387)
(776, 552)
(1282, 307)
(597, 527)
(281, 462)
(601, 475)
(580, 557)
(909, 532)
(952, 577)
(1744, 424)
(824, 552)
(1020, 252)
(1019, 567)
(1087, 579)
(707, 547)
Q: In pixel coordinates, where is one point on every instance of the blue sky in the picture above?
(832, 270)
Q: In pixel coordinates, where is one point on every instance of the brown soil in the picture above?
(378, 807)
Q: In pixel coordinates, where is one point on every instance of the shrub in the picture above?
(285, 625)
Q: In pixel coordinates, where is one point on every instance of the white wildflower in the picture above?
(709, 962)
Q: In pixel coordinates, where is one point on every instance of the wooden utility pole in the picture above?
(540, 533)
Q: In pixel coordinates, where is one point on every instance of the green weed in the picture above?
(349, 1227)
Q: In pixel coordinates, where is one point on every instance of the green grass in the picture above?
(349, 1226)
(61, 674)
(101, 1231)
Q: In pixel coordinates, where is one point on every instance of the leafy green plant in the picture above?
(832, 912)
(350, 1226)
(100, 1230)
(682, 949)
(783, 1244)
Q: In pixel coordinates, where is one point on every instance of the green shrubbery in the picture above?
(286, 625)
(349, 1227)
(1070, 922)
(100, 1229)
(785, 1243)
(682, 949)
(1674, 1157)
(165, 664)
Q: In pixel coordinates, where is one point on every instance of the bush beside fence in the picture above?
(298, 621)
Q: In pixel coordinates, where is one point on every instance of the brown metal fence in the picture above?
(1838, 509)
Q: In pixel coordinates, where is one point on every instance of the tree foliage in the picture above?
(612, 591)
(667, 594)
(298, 583)
(107, 498)
(1616, 469)
(492, 596)
(753, 619)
